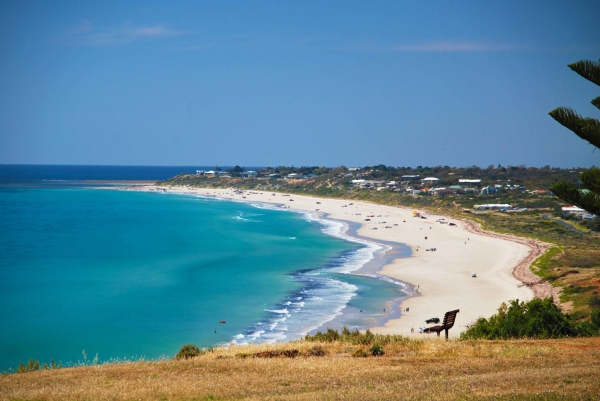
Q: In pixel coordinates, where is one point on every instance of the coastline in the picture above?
(443, 277)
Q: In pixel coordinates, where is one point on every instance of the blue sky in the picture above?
(302, 83)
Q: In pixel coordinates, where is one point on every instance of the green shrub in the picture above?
(538, 318)
(353, 337)
(360, 353)
(377, 350)
(188, 351)
(31, 366)
(595, 318)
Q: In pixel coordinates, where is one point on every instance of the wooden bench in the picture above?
(447, 324)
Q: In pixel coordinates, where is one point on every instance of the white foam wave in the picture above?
(323, 302)
(284, 310)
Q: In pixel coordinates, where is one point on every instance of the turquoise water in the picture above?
(126, 274)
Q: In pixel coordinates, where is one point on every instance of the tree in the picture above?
(588, 129)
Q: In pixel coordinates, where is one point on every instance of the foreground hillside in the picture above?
(409, 369)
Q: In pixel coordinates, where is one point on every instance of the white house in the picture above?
(572, 209)
(496, 206)
(430, 181)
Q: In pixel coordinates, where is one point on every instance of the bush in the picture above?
(317, 350)
(353, 337)
(360, 353)
(377, 350)
(595, 318)
(31, 366)
(288, 353)
(538, 318)
(188, 351)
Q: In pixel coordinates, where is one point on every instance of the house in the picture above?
(293, 176)
(250, 174)
(410, 177)
(430, 180)
(497, 206)
(200, 172)
(274, 175)
(443, 191)
(468, 180)
(572, 209)
(489, 190)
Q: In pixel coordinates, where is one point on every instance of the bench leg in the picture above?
(438, 333)
(446, 334)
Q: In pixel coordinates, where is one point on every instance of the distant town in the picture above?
(421, 181)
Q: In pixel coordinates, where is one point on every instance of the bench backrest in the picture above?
(449, 319)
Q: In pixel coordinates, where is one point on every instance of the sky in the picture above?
(328, 83)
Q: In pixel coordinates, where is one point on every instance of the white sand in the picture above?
(444, 276)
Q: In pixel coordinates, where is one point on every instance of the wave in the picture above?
(240, 217)
(322, 298)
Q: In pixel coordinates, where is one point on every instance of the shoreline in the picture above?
(443, 278)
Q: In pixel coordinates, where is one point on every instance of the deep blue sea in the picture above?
(126, 274)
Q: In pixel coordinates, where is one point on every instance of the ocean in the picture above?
(90, 271)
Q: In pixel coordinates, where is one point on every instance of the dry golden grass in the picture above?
(422, 370)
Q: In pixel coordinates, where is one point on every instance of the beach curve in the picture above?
(442, 279)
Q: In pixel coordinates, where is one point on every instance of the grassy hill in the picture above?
(415, 369)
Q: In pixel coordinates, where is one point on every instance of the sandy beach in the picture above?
(443, 278)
